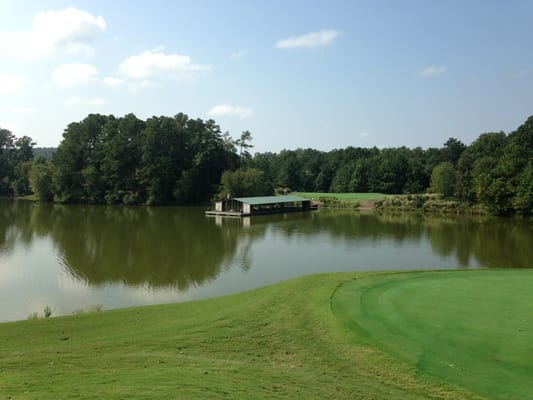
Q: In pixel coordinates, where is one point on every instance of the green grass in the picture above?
(360, 197)
(300, 339)
(470, 328)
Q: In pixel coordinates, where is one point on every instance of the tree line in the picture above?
(179, 160)
(496, 170)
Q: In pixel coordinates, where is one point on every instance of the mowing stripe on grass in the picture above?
(470, 328)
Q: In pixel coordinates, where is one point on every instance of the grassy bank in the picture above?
(294, 340)
(342, 200)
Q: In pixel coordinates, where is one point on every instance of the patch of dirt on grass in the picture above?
(367, 205)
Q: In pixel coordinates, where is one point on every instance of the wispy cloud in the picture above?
(154, 63)
(226, 109)
(81, 102)
(72, 75)
(363, 135)
(11, 83)
(313, 39)
(432, 71)
(521, 73)
(70, 30)
(239, 54)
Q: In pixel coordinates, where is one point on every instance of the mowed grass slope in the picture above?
(293, 340)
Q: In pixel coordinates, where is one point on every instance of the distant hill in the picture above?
(46, 152)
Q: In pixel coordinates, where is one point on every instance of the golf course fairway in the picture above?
(470, 328)
(413, 335)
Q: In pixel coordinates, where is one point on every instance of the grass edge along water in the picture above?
(280, 341)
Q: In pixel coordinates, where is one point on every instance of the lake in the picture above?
(72, 257)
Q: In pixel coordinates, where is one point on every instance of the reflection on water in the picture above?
(81, 255)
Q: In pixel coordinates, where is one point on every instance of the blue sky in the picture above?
(319, 74)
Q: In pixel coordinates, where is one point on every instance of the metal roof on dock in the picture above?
(270, 199)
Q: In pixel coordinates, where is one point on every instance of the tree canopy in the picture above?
(178, 160)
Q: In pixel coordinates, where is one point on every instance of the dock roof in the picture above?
(270, 199)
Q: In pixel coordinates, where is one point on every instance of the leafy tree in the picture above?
(245, 183)
(523, 200)
(395, 170)
(20, 183)
(121, 161)
(341, 180)
(24, 149)
(7, 153)
(495, 193)
(164, 156)
(288, 171)
(443, 179)
(201, 178)
(452, 150)
(40, 179)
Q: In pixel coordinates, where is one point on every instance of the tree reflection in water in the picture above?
(169, 247)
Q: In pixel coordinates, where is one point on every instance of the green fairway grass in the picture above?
(360, 197)
(470, 328)
(328, 336)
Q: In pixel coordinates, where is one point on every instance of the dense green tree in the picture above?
(268, 163)
(289, 170)
(7, 156)
(15, 163)
(178, 160)
(452, 150)
(40, 179)
(394, 169)
(523, 200)
(417, 180)
(342, 178)
(20, 183)
(244, 183)
(122, 158)
(444, 179)
(78, 161)
(24, 149)
(163, 160)
(201, 177)
(164, 156)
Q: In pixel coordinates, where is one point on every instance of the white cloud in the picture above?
(432, 71)
(72, 75)
(11, 83)
(24, 110)
(239, 54)
(363, 135)
(313, 39)
(112, 82)
(70, 30)
(154, 63)
(81, 102)
(226, 109)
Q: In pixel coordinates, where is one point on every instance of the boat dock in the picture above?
(248, 206)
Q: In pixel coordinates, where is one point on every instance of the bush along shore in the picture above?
(427, 203)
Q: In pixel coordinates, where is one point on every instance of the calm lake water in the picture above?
(74, 257)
